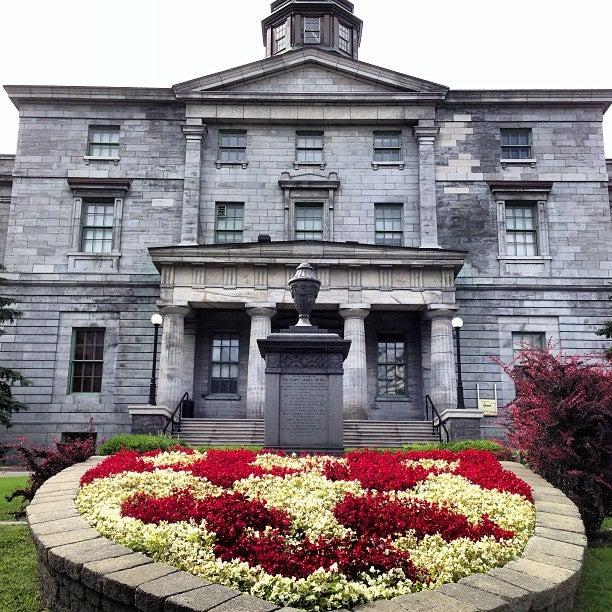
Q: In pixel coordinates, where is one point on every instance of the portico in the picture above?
(394, 303)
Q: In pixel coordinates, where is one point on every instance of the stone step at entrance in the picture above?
(357, 434)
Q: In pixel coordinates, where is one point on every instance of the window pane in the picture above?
(388, 224)
(516, 143)
(528, 340)
(103, 141)
(309, 222)
(312, 30)
(345, 38)
(391, 367)
(229, 222)
(521, 229)
(224, 363)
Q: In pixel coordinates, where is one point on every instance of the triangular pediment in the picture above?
(309, 71)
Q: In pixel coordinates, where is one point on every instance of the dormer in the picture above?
(326, 24)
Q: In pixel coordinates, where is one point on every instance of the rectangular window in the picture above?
(97, 225)
(279, 34)
(229, 222)
(103, 141)
(86, 360)
(516, 143)
(391, 379)
(312, 30)
(388, 224)
(387, 146)
(527, 340)
(345, 38)
(309, 147)
(309, 221)
(224, 363)
(521, 229)
(232, 146)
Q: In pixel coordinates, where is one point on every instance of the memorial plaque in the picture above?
(304, 411)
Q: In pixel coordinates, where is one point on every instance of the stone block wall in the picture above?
(6, 171)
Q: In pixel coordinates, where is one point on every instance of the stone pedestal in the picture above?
(462, 424)
(304, 395)
(147, 419)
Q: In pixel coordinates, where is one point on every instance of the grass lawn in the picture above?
(18, 586)
(7, 485)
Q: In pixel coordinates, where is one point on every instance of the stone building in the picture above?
(416, 203)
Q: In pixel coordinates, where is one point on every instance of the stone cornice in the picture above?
(331, 253)
(542, 187)
(602, 97)
(99, 184)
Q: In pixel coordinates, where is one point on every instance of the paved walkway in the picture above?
(5, 523)
(5, 473)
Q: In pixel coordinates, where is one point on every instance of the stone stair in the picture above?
(357, 434)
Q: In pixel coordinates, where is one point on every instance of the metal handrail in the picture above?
(435, 414)
(172, 419)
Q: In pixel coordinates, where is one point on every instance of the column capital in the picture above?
(425, 133)
(174, 309)
(261, 309)
(441, 311)
(354, 311)
(194, 131)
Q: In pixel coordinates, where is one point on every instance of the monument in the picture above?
(304, 369)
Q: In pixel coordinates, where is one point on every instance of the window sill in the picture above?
(227, 397)
(392, 398)
(519, 259)
(90, 158)
(298, 164)
(518, 162)
(400, 165)
(243, 164)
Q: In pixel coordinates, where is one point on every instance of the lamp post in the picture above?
(457, 324)
(157, 320)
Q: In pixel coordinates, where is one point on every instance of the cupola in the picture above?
(325, 24)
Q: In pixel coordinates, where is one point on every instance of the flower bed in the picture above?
(315, 532)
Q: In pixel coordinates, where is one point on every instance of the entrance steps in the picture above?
(357, 434)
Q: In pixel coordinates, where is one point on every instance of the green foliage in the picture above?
(486, 445)
(595, 590)
(137, 442)
(8, 377)
(606, 332)
(8, 484)
(19, 583)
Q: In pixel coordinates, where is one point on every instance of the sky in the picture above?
(464, 44)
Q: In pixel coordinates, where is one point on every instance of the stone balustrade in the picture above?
(81, 570)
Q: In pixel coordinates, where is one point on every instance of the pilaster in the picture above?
(194, 136)
(428, 214)
(355, 366)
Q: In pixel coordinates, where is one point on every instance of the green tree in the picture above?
(607, 333)
(8, 377)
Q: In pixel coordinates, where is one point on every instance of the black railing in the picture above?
(436, 427)
(173, 420)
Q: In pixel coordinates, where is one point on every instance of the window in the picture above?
(279, 36)
(229, 222)
(309, 147)
(97, 225)
(73, 436)
(527, 340)
(312, 30)
(521, 229)
(86, 360)
(232, 146)
(388, 224)
(103, 141)
(345, 38)
(224, 363)
(309, 221)
(387, 147)
(516, 144)
(391, 367)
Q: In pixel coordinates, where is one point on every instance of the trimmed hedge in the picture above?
(137, 442)
(459, 445)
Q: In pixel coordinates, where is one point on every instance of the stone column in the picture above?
(443, 374)
(355, 366)
(426, 136)
(194, 134)
(261, 327)
(170, 379)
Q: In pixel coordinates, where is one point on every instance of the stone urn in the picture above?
(304, 290)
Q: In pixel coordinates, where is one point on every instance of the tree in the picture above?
(561, 423)
(607, 333)
(8, 377)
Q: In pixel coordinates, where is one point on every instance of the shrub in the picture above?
(497, 448)
(46, 461)
(561, 422)
(137, 442)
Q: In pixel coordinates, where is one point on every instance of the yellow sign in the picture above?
(488, 406)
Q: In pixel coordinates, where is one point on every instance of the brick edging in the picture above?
(81, 570)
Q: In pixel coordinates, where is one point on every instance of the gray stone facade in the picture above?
(451, 184)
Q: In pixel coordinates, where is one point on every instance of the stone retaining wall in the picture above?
(80, 571)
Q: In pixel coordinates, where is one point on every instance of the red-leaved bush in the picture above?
(561, 422)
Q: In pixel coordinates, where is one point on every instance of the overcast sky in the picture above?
(464, 44)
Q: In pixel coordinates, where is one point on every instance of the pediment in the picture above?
(308, 71)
